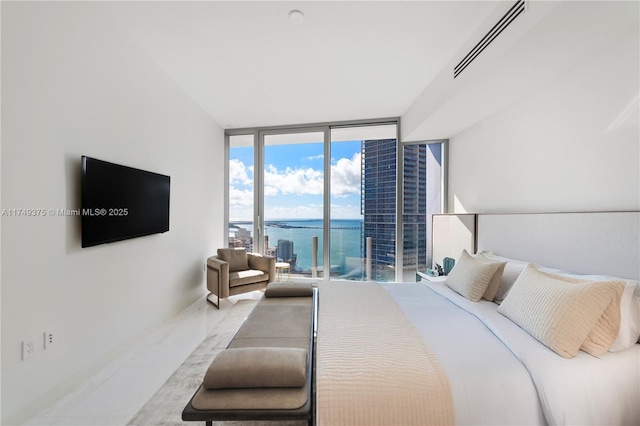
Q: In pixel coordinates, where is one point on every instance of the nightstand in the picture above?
(422, 276)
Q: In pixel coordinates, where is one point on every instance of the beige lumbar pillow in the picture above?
(257, 368)
(604, 333)
(558, 314)
(470, 277)
(494, 283)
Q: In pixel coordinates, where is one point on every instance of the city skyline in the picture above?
(371, 191)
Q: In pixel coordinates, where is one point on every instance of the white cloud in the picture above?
(238, 173)
(240, 204)
(315, 157)
(308, 181)
(270, 191)
(308, 211)
(240, 197)
(346, 176)
(293, 181)
(347, 211)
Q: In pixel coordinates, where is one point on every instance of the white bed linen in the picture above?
(489, 385)
(584, 390)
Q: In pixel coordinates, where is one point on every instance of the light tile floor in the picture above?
(116, 393)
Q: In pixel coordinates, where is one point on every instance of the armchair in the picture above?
(234, 271)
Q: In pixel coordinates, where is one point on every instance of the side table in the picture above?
(280, 267)
(422, 276)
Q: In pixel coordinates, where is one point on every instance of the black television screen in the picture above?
(120, 202)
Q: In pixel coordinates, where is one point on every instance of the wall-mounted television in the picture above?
(120, 202)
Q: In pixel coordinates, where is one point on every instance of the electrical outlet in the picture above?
(50, 338)
(28, 348)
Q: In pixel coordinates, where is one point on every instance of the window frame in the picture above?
(258, 139)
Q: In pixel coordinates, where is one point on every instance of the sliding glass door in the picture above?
(363, 202)
(293, 196)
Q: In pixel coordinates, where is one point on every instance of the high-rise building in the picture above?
(414, 209)
(285, 251)
(378, 203)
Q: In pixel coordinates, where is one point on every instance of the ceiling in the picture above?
(246, 64)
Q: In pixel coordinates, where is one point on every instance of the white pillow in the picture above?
(510, 274)
(629, 333)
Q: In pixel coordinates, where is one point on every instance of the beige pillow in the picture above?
(470, 277)
(494, 283)
(604, 333)
(236, 258)
(560, 316)
(257, 368)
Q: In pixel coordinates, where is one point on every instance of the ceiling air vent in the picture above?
(515, 11)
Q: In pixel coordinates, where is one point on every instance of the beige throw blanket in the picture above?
(373, 367)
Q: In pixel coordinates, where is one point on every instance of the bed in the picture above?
(383, 350)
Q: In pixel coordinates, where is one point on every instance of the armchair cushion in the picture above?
(247, 277)
(236, 258)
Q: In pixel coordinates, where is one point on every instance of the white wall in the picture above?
(71, 85)
(570, 145)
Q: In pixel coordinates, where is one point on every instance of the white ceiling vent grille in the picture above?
(516, 10)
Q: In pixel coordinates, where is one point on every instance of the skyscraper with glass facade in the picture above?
(414, 207)
(378, 205)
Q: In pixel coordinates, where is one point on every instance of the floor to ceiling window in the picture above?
(325, 199)
(363, 198)
(293, 194)
(240, 191)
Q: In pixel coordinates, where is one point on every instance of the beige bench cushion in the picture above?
(250, 399)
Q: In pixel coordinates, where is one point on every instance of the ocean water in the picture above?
(346, 239)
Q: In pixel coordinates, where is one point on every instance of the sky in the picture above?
(294, 181)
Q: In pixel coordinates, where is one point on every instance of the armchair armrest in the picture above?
(263, 263)
(218, 276)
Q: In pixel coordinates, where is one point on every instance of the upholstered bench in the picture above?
(266, 372)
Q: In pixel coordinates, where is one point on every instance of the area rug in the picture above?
(165, 407)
